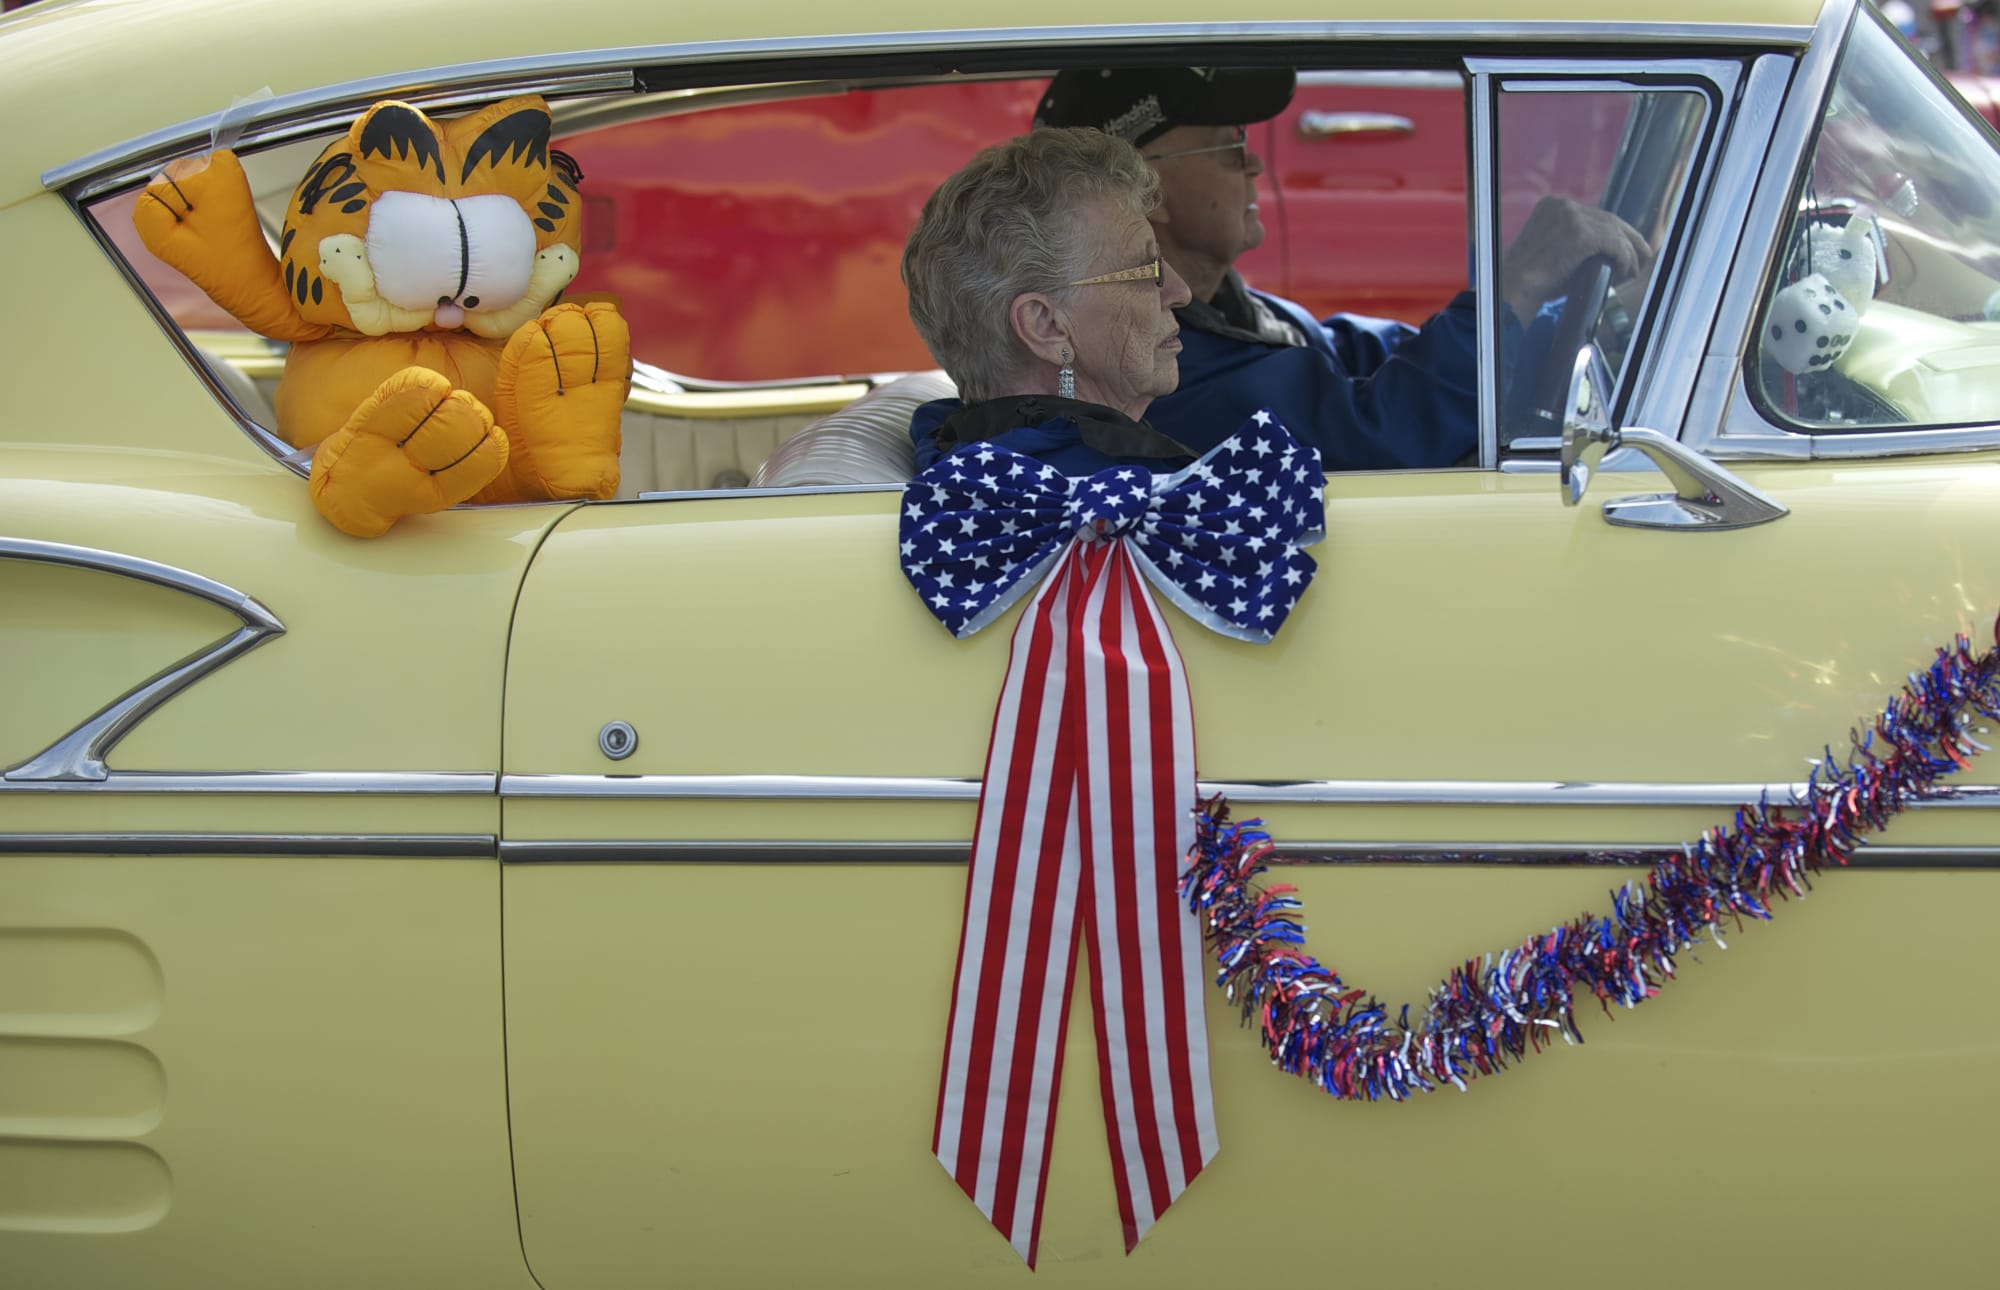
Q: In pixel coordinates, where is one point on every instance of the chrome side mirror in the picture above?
(1587, 433)
(1705, 495)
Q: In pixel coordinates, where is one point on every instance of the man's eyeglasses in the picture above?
(1148, 272)
(1240, 145)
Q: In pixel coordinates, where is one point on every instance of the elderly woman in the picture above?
(1036, 281)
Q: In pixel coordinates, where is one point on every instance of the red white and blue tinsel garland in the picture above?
(1487, 1014)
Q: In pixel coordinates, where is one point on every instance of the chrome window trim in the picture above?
(1486, 260)
(296, 460)
(326, 110)
(713, 494)
(1609, 855)
(79, 755)
(1703, 425)
(414, 846)
(301, 783)
(1384, 80)
(291, 114)
(1719, 81)
(1326, 792)
(1746, 434)
(1671, 363)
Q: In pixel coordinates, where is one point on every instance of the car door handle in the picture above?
(1321, 125)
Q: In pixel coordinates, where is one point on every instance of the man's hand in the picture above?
(1560, 235)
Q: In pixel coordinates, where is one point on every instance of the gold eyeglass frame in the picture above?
(1149, 272)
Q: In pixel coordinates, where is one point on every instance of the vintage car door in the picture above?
(741, 766)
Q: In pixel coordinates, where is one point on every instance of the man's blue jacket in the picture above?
(1369, 393)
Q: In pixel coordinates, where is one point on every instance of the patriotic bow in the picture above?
(1086, 807)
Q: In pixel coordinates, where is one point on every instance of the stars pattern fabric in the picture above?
(1220, 539)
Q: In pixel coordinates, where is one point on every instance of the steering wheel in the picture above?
(1535, 399)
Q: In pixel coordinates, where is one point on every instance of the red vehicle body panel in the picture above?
(1982, 92)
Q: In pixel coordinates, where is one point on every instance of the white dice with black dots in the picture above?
(1810, 325)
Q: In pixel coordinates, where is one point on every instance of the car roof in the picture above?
(95, 74)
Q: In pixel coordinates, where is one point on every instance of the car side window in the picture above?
(1883, 309)
(763, 241)
(1611, 152)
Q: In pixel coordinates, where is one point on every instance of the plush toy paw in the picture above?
(561, 390)
(197, 215)
(195, 206)
(414, 446)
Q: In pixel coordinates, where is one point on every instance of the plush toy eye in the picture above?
(499, 251)
(429, 251)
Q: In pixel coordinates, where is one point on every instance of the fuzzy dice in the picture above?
(1809, 326)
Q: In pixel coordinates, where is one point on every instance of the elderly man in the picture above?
(1369, 393)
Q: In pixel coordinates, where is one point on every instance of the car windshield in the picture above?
(1884, 310)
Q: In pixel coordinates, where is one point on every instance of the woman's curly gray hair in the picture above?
(1004, 225)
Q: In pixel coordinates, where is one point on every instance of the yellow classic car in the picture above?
(568, 893)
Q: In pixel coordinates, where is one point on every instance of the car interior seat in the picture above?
(866, 442)
(241, 389)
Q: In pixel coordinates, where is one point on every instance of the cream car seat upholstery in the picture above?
(866, 442)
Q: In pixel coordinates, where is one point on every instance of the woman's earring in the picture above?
(1066, 378)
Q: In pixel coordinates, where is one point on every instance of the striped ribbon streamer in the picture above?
(1086, 808)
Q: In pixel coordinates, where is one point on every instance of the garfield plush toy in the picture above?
(414, 279)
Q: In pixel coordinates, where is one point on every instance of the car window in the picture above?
(1624, 150)
(764, 241)
(752, 237)
(1883, 310)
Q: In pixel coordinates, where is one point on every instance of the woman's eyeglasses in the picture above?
(1240, 145)
(1148, 272)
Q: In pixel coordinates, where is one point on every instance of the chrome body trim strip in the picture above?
(860, 788)
(416, 846)
(1609, 855)
(1329, 792)
(79, 755)
(303, 783)
(733, 851)
(805, 788)
(610, 69)
(244, 606)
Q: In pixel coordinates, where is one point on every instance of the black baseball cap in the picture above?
(1139, 104)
